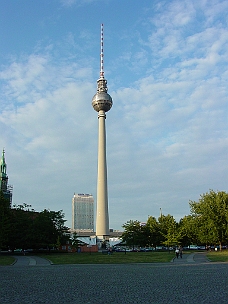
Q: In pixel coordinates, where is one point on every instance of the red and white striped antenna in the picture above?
(102, 52)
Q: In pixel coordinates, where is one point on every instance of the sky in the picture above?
(166, 64)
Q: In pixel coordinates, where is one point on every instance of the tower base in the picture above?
(102, 241)
(102, 238)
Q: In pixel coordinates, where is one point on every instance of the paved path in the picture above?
(128, 283)
(21, 260)
(196, 257)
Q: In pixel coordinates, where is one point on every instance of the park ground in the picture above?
(116, 257)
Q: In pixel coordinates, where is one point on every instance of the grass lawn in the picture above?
(115, 258)
(218, 256)
(6, 260)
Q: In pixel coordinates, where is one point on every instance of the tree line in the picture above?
(206, 225)
(24, 228)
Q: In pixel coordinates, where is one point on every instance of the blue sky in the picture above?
(167, 132)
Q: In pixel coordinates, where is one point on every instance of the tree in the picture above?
(169, 234)
(30, 229)
(21, 218)
(188, 228)
(211, 212)
(49, 228)
(132, 234)
(45, 234)
(74, 241)
(172, 236)
(4, 220)
(151, 231)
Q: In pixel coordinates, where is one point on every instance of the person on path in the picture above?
(177, 253)
(181, 251)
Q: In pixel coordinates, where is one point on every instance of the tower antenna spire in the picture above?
(102, 52)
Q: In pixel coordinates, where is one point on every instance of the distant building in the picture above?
(4, 187)
(83, 212)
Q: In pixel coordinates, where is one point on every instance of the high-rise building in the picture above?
(102, 102)
(4, 187)
(83, 212)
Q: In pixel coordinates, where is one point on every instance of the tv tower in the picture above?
(102, 102)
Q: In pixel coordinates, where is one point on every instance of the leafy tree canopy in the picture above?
(31, 229)
(211, 214)
(4, 220)
(207, 224)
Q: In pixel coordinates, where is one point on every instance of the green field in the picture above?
(218, 256)
(6, 260)
(115, 258)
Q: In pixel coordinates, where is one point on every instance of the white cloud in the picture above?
(43, 136)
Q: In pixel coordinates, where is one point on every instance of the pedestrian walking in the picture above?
(177, 252)
(181, 251)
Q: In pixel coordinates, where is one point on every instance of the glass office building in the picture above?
(83, 212)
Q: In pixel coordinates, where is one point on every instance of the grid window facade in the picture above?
(83, 212)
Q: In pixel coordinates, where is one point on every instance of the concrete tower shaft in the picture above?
(102, 218)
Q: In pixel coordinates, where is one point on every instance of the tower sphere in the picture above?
(102, 101)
